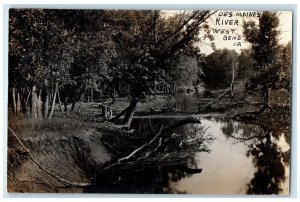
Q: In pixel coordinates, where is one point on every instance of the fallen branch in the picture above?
(72, 184)
(161, 131)
(132, 153)
(140, 148)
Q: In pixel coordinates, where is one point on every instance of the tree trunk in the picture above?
(24, 105)
(92, 94)
(50, 98)
(81, 99)
(129, 113)
(106, 111)
(66, 104)
(59, 101)
(267, 96)
(154, 27)
(18, 104)
(39, 107)
(33, 104)
(119, 115)
(27, 98)
(53, 101)
(45, 107)
(232, 80)
(73, 104)
(14, 100)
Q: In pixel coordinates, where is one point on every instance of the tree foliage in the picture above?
(87, 51)
(270, 64)
(217, 68)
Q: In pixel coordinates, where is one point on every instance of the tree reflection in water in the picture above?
(157, 177)
(267, 157)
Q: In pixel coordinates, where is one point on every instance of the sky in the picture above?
(232, 22)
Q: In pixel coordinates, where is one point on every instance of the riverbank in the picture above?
(70, 143)
(184, 104)
(64, 146)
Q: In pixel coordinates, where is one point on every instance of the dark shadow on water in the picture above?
(270, 173)
(150, 181)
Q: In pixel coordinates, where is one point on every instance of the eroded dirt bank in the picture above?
(66, 147)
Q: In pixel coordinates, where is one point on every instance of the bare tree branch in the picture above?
(179, 28)
(161, 131)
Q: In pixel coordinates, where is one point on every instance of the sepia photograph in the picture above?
(149, 101)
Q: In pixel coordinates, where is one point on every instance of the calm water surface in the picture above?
(244, 159)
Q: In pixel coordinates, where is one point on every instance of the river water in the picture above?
(243, 159)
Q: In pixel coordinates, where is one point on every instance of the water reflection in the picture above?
(268, 156)
(244, 159)
(190, 101)
(226, 170)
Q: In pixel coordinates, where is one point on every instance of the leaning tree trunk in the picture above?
(59, 102)
(129, 113)
(53, 102)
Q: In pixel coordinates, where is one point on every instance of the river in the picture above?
(243, 159)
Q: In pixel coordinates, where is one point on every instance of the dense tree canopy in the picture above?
(88, 51)
(217, 68)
